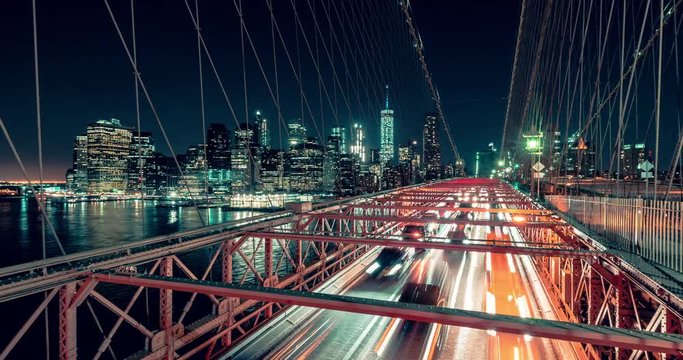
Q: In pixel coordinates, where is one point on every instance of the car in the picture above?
(414, 233)
(458, 233)
(432, 226)
(390, 262)
(423, 294)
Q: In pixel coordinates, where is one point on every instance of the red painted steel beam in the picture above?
(500, 249)
(591, 334)
(417, 220)
(441, 199)
(444, 208)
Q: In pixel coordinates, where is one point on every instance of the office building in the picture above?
(108, 148)
(245, 157)
(408, 163)
(304, 167)
(340, 133)
(387, 131)
(141, 164)
(273, 170)
(77, 176)
(331, 164)
(358, 142)
(431, 148)
(631, 156)
(264, 131)
(218, 147)
(297, 133)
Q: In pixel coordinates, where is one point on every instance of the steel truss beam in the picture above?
(384, 241)
(598, 335)
(599, 291)
(415, 220)
(443, 208)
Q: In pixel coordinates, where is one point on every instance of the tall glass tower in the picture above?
(431, 148)
(264, 132)
(386, 141)
(358, 142)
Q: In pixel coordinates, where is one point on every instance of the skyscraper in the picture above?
(272, 170)
(631, 156)
(304, 167)
(79, 170)
(386, 131)
(218, 147)
(264, 132)
(108, 149)
(296, 133)
(340, 133)
(141, 164)
(431, 148)
(195, 176)
(408, 163)
(245, 157)
(331, 163)
(358, 142)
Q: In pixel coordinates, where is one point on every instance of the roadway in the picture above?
(496, 283)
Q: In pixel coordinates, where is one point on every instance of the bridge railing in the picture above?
(650, 228)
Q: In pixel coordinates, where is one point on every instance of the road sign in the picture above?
(646, 175)
(538, 167)
(645, 166)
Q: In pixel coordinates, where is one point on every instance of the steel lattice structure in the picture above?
(252, 269)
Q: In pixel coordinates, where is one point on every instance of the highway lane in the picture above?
(465, 279)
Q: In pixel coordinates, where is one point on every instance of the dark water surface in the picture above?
(85, 226)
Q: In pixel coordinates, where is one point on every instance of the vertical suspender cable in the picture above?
(39, 134)
(201, 102)
(659, 93)
(252, 160)
(141, 174)
(513, 76)
(152, 108)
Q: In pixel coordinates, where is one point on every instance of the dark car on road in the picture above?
(389, 262)
(414, 233)
(423, 294)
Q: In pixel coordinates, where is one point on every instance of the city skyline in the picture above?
(112, 158)
(71, 102)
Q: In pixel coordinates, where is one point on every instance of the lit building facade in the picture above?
(296, 133)
(631, 156)
(245, 157)
(408, 163)
(141, 164)
(218, 147)
(331, 163)
(194, 180)
(431, 148)
(349, 175)
(304, 167)
(358, 142)
(108, 148)
(77, 176)
(273, 170)
(340, 133)
(386, 132)
(264, 131)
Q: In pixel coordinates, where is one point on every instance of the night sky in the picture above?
(85, 74)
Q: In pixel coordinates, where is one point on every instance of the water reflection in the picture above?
(85, 226)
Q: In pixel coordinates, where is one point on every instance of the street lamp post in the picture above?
(534, 144)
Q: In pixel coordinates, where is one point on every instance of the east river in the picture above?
(89, 225)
